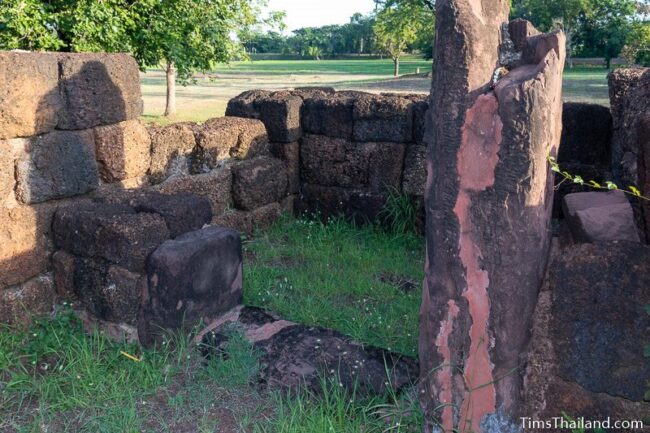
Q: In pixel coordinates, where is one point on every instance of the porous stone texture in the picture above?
(415, 170)
(243, 105)
(290, 154)
(599, 217)
(30, 101)
(329, 115)
(111, 232)
(20, 303)
(488, 202)
(644, 170)
(294, 356)
(420, 108)
(228, 137)
(239, 220)
(258, 182)
(263, 217)
(195, 277)
(25, 242)
(586, 135)
(330, 201)
(280, 112)
(383, 118)
(113, 97)
(594, 300)
(171, 147)
(215, 186)
(56, 165)
(123, 150)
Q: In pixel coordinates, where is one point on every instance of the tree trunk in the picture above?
(488, 203)
(396, 67)
(170, 107)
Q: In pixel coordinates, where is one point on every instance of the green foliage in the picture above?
(637, 48)
(238, 366)
(400, 212)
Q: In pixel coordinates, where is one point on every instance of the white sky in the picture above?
(316, 13)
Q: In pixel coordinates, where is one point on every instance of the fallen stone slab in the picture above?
(294, 356)
(600, 216)
(193, 278)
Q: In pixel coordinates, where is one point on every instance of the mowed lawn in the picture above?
(207, 95)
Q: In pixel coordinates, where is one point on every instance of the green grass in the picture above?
(54, 377)
(339, 276)
(583, 84)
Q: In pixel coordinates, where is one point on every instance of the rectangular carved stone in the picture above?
(327, 201)
(30, 101)
(415, 170)
(25, 242)
(258, 181)
(98, 89)
(239, 220)
(383, 118)
(215, 186)
(192, 279)
(171, 147)
(290, 154)
(123, 150)
(18, 304)
(57, 165)
(280, 112)
(329, 115)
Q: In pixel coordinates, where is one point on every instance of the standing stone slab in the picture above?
(193, 278)
(258, 181)
(488, 204)
(383, 118)
(98, 89)
(123, 150)
(30, 102)
(57, 165)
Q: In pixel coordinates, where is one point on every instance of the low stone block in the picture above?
(383, 118)
(290, 154)
(215, 186)
(30, 101)
(228, 137)
(243, 105)
(598, 217)
(326, 201)
(123, 150)
(313, 91)
(171, 147)
(415, 170)
(63, 265)
(259, 181)
(586, 134)
(59, 164)
(20, 303)
(238, 220)
(193, 278)
(111, 232)
(98, 89)
(182, 212)
(263, 217)
(329, 115)
(280, 112)
(25, 242)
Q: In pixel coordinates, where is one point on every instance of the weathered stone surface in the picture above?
(599, 217)
(106, 291)
(294, 355)
(420, 108)
(313, 91)
(644, 169)
(328, 201)
(171, 147)
(63, 265)
(338, 162)
(415, 170)
(629, 94)
(98, 89)
(123, 150)
(25, 242)
(9, 151)
(488, 207)
(193, 278)
(182, 212)
(290, 154)
(111, 232)
(587, 172)
(30, 101)
(243, 105)
(239, 220)
(20, 303)
(586, 134)
(263, 217)
(280, 112)
(383, 118)
(215, 186)
(228, 137)
(258, 181)
(329, 115)
(57, 165)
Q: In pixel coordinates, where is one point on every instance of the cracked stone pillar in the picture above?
(488, 202)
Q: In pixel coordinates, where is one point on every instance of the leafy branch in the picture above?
(608, 186)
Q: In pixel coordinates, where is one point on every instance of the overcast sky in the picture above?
(315, 13)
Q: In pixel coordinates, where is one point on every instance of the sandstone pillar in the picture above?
(488, 202)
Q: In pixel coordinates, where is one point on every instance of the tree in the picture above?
(398, 26)
(637, 49)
